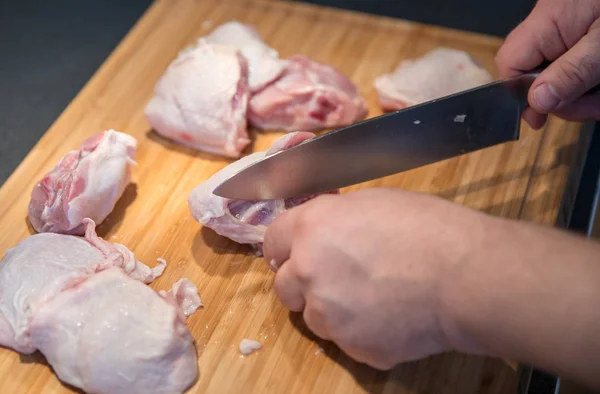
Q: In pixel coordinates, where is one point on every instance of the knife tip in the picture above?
(218, 191)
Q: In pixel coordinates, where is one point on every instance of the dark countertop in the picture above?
(51, 48)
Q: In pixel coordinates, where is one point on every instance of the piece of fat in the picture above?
(248, 346)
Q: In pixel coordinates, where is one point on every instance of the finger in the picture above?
(529, 45)
(277, 244)
(519, 53)
(586, 107)
(569, 76)
(288, 288)
(315, 322)
(535, 120)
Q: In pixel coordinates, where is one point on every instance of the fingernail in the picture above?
(546, 97)
(273, 265)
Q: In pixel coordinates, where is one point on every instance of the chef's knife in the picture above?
(399, 141)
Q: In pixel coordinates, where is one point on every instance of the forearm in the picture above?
(529, 294)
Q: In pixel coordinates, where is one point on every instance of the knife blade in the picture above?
(413, 137)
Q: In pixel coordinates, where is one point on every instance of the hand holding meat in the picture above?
(392, 276)
(566, 33)
(356, 267)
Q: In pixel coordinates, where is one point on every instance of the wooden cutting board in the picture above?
(532, 179)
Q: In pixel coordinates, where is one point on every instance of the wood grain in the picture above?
(525, 180)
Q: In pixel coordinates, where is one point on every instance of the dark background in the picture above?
(49, 49)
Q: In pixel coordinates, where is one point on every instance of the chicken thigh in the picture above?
(86, 183)
(112, 334)
(43, 265)
(84, 304)
(201, 100)
(244, 222)
(439, 73)
(307, 96)
(264, 64)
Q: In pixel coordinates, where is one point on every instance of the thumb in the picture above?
(586, 107)
(570, 76)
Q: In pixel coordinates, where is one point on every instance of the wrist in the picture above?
(466, 282)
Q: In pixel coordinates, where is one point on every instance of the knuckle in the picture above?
(305, 219)
(576, 74)
(279, 285)
(310, 217)
(570, 74)
(305, 266)
(288, 292)
(589, 65)
(279, 288)
(306, 269)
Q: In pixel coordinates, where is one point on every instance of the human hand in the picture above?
(366, 269)
(567, 34)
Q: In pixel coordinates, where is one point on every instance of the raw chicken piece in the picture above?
(264, 65)
(242, 221)
(43, 265)
(112, 334)
(85, 183)
(438, 73)
(201, 100)
(307, 96)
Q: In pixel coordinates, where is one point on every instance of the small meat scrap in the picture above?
(439, 73)
(248, 346)
(86, 183)
(307, 96)
(242, 221)
(201, 100)
(264, 65)
(184, 294)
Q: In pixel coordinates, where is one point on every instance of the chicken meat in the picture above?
(307, 96)
(86, 183)
(264, 65)
(244, 222)
(201, 100)
(112, 334)
(439, 73)
(43, 265)
(83, 302)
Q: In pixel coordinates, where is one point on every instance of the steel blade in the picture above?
(414, 137)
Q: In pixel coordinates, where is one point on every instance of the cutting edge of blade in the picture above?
(218, 191)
